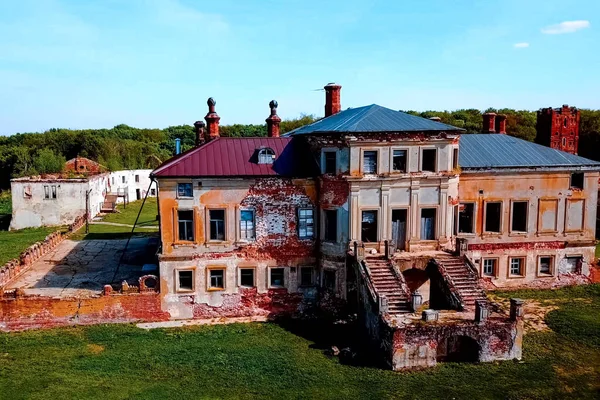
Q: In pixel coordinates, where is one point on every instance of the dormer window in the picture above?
(266, 156)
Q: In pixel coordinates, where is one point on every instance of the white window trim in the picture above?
(209, 287)
(178, 286)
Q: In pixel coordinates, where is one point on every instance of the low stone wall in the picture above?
(36, 312)
(14, 268)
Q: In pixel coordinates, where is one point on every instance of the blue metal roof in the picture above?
(488, 150)
(372, 118)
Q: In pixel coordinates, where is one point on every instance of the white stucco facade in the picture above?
(135, 181)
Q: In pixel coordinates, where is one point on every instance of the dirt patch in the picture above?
(95, 348)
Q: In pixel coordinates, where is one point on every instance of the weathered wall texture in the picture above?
(275, 202)
(135, 181)
(31, 208)
(559, 221)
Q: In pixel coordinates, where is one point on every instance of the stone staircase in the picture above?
(463, 279)
(388, 284)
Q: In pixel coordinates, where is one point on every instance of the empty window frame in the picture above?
(330, 225)
(247, 277)
(185, 219)
(517, 266)
(123, 179)
(306, 223)
(466, 218)
(490, 266)
(277, 277)
(217, 224)
(307, 276)
(137, 178)
(493, 217)
(247, 230)
(185, 280)
(519, 216)
(428, 222)
(545, 265)
(184, 190)
(399, 160)
(577, 180)
(370, 162)
(266, 156)
(50, 192)
(330, 160)
(369, 226)
(455, 159)
(428, 160)
(216, 279)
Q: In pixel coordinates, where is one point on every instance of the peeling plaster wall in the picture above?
(34, 210)
(560, 221)
(116, 183)
(275, 202)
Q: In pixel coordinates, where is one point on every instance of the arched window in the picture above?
(566, 122)
(266, 156)
(564, 142)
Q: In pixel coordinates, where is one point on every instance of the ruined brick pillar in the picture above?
(489, 122)
(516, 309)
(200, 134)
(273, 120)
(501, 123)
(212, 120)
(481, 311)
(333, 104)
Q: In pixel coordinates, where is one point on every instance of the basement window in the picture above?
(489, 266)
(428, 160)
(330, 229)
(217, 224)
(247, 277)
(266, 156)
(519, 216)
(466, 213)
(577, 180)
(216, 279)
(399, 161)
(277, 278)
(185, 280)
(517, 266)
(186, 225)
(370, 162)
(545, 265)
(330, 162)
(493, 216)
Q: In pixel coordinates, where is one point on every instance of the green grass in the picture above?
(268, 361)
(12, 243)
(127, 215)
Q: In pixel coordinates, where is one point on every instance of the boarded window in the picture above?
(330, 162)
(575, 215)
(466, 214)
(519, 216)
(577, 180)
(277, 277)
(184, 190)
(493, 214)
(247, 277)
(185, 280)
(305, 223)
(247, 231)
(429, 160)
(428, 223)
(489, 266)
(399, 161)
(306, 276)
(370, 162)
(516, 266)
(217, 279)
(546, 265)
(369, 226)
(217, 224)
(186, 225)
(547, 217)
(330, 219)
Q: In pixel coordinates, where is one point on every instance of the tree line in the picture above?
(126, 147)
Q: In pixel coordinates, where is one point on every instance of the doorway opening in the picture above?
(138, 194)
(428, 223)
(399, 228)
(458, 349)
(369, 226)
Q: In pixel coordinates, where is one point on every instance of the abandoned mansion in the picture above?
(381, 210)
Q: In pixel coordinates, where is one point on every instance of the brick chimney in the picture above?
(200, 133)
(489, 122)
(501, 123)
(212, 120)
(333, 103)
(273, 120)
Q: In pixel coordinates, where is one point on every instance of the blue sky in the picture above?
(153, 63)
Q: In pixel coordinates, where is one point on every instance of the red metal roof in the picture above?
(239, 157)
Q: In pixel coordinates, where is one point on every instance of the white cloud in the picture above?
(521, 45)
(566, 27)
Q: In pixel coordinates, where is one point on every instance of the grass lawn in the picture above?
(269, 361)
(127, 215)
(12, 243)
